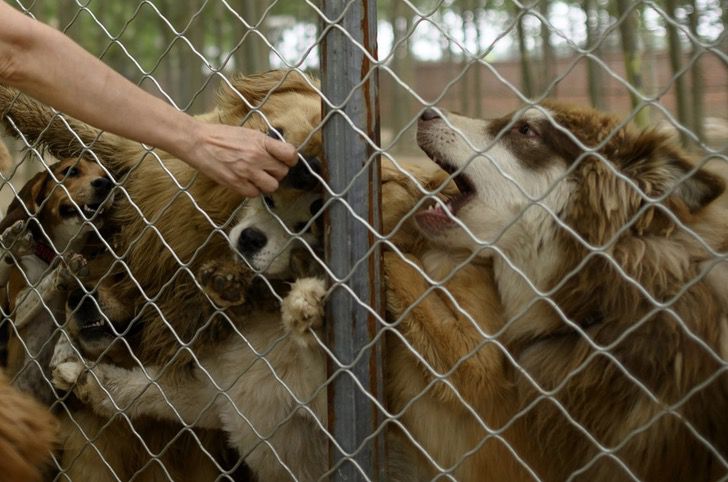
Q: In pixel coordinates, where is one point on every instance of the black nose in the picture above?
(430, 114)
(251, 241)
(102, 184)
(301, 177)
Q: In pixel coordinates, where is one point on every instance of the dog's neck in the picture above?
(531, 263)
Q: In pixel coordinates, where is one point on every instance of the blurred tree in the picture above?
(593, 36)
(526, 79)
(403, 64)
(675, 50)
(696, 71)
(478, 16)
(629, 28)
(254, 53)
(548, 56)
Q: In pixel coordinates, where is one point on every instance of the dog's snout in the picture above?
(75, 298)
(251, 241)
(430, 114)
(302, 176)
(102, 184)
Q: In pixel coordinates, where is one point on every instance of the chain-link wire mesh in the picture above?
(544, 301)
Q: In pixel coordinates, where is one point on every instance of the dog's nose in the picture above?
(75, 298)
(102, 183)
(251, 241)
(301, 177)
(430, 114)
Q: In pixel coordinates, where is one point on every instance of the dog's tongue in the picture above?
(434, 218)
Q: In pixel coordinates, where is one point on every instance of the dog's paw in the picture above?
(303, 308)
(225, 282)
(17, 240)
(74, 266)
(66, 366)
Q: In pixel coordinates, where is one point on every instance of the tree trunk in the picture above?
(675, 49)
(194, 65)
(697, 76)
(466, 61)
(254, 52)
(526, 82)
(628, 28)
(593, 35)
(478, 74)
(548, 57)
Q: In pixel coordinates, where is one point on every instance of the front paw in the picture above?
(73, 267)
(225, 282)
(17, 240)
(66, 365)
(303, 308)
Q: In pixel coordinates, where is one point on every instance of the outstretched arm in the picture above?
(49, 66)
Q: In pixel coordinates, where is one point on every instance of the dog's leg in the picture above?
(15, 242)
(443, 334)
(303, 309)
(105, 387)
(58, 282)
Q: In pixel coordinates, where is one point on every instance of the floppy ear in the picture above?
(27, 201)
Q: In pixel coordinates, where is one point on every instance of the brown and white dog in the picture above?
(609, 358)
(55, 212)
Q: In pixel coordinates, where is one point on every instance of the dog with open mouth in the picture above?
(612, 334)
(52, 219)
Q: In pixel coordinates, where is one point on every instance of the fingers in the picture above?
(264, 181)
(282, 151)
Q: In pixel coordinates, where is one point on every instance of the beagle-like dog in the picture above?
(52, 215)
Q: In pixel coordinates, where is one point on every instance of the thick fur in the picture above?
(27, 435)
(279, 397)
(289, 104)
(641, 381)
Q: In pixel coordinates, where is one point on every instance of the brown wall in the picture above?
(497, 98)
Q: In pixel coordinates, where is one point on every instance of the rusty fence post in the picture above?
(351, 138)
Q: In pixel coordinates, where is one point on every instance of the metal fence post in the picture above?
(350, 84)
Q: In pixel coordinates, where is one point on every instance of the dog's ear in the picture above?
(27, 201)
(695, 187)
(255, 88)
(659, 167)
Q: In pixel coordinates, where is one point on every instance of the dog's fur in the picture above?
(655, 388)
(27, 435)
(257, 402)
(54, 211)
(289, 104)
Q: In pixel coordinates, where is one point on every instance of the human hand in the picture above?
(245, 160)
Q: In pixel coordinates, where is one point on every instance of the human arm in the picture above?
(35, 59)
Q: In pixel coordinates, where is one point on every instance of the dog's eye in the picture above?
(526, 130)
(70, 171)
(269, 202)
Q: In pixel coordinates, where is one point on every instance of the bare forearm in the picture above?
(103, 99)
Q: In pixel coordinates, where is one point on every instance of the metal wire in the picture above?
(356, 399)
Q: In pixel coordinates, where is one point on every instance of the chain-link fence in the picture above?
(429, 295)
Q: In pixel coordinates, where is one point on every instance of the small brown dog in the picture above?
(55, 212)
